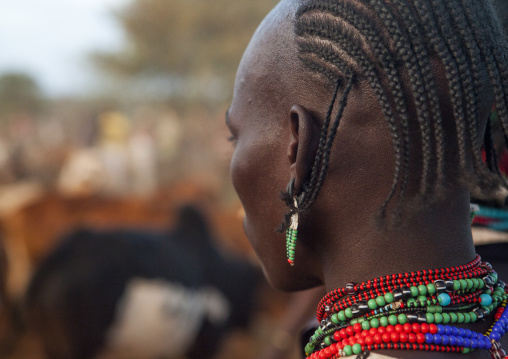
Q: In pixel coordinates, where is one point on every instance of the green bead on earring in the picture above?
(291, 235)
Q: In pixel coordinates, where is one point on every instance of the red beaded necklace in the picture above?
(411, 311)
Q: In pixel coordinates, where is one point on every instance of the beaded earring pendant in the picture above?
(291, 235)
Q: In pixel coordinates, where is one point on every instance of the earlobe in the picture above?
(304, 138)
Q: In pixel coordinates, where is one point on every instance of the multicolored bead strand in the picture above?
(291, 236)
(416, 316)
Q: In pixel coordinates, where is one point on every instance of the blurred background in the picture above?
(112, 117)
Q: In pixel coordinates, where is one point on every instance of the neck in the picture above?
(438, 236)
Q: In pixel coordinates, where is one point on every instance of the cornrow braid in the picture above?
(346, 39)
(379, 41)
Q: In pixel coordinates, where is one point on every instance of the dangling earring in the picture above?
(291, 234)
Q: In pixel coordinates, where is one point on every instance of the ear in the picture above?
(304, 140)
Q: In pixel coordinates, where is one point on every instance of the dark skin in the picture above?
(275, 119)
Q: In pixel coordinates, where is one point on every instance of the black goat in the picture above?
(139, 294)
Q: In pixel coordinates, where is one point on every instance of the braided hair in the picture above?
(379, 40)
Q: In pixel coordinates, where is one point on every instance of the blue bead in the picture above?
(460, 341)
(495, 336)
(448, 330)
(474, 343)
(462, 332)
(467, 343)
(437, 339)
(468, 333)
(440, 329)
(486, 299)
(445, 299)
(455, 330)
(429, 338)
(488, 344)
(453, 340)
(481, 344)
(445, 340)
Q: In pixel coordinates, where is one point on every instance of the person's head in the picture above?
(372, 107)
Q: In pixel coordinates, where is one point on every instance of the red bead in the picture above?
(357, 328)
(327, 352)
(378, 338)
(390, 329)
(336, 335)
(399, 328)
(381, 330)
(373, 331)
(386, 337)
(290, 261)
(369, 340)
(403, 337)
(394, 337)
(334, 348)
(420, 338)
(364, 333)
(424, 328)
(352, 341)
(350, 331)
(432, 329)
(358, 335)
(408, 328)
(416, 328)
(343, 333)
(322, 354)
(361, 341)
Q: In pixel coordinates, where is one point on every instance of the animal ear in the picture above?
(303, 144)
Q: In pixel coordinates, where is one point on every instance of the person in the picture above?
(368, 118)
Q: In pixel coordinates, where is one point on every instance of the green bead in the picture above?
(456, 285)
(319, 330)
(467, 318)
(487, 310)
(372, 304)
(348, 313)
(309, 348)
(466, 350)
(411, 302)
(392, 319)
(402, 318)
(380, 301)
(453, 318)
(348, 350)
(335, 318)
(476, 283)
(389, 298)
(361, 320)
(342, 316)
(460, 318)
(446, 318)
(430, 317)
(482, 283)
(431, 288)
(365, 325)
(354, 321)
(469, 284)
(463, 284)
(374, 323)
(422, 299)
(328, 340)
(414, 291)
(438, 318)
(357, 348)
(384, 321)
(473, 316)
(422, 289)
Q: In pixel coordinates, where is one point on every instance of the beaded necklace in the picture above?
(412, 311)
